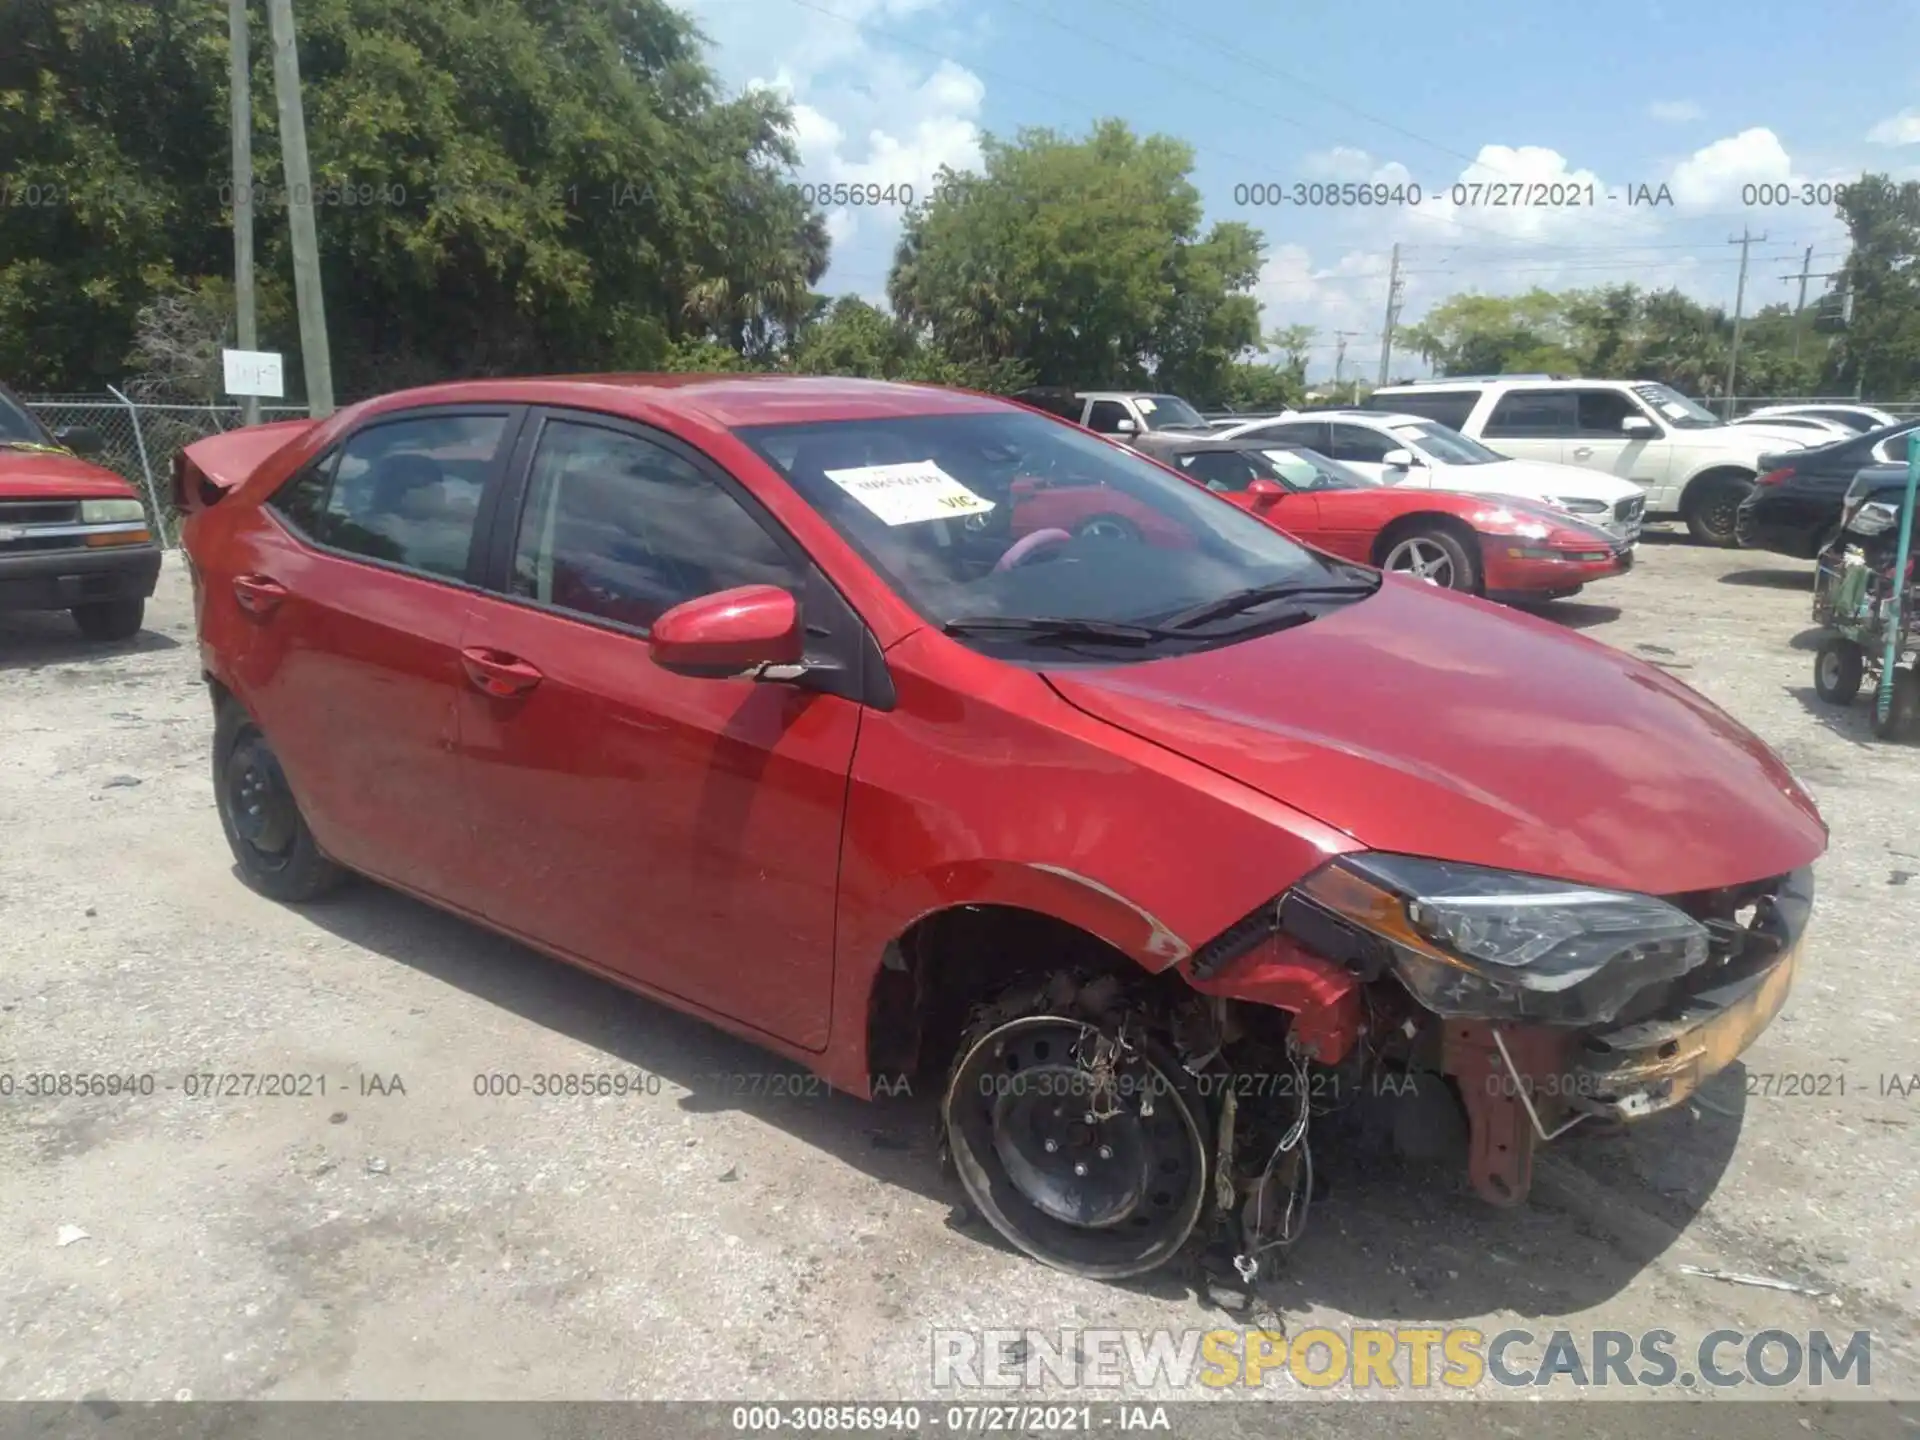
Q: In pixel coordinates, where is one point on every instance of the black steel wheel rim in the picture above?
(259, 804)
(1069, 1170)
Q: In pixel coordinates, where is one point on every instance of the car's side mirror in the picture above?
(1636, 425)
(745, 631)
(80, 439)
(1264, 492)
(1397, 459)
(1124, 427)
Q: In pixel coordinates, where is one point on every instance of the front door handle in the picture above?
(1584, 452)
(496, 673)
(258, 594)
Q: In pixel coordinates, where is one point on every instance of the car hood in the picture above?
(1536, 479)
(1434, 724)
(56, 475)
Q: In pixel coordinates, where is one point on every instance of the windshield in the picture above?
(1010, 514)
(1169, 412)
(1449, 447)
(17, 425)
(1676, 409)
(1306, 469)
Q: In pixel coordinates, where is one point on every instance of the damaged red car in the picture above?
(746, 694)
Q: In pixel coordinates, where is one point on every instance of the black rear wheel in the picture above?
(268, 835)
(1837, 669)
(1080, 1143)
(1713, 509)
(104, 620)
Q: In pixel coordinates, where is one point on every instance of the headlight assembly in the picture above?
(107, 512)
(1492, 944)
(1582, 507)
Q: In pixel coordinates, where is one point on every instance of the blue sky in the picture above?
(1706, 98)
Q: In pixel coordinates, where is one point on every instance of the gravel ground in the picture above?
(401, 1237)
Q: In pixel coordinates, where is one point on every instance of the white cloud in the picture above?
(863, 112)
(1712, 177)
(1675, 112)
(1901, 129)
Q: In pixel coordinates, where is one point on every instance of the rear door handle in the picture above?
(1583, 452)
(496, 673)
(258, 594)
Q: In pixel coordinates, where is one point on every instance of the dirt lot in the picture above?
(706, 1240)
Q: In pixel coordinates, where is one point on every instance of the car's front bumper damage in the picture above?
(1520, 1084)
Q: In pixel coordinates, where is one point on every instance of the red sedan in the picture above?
(1502, 547)
(746, 694)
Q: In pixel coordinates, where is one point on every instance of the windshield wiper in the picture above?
(1241, 600)
(1058, 628)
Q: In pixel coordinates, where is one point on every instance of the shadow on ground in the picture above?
(1771, 579)
(33, 638)
(1386, 1239)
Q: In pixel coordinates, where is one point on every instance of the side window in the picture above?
(1356, 442)
(1221, 471)
(1521, 413)
(1893, 449)
(1308, 434)
(622, 529)
(1450, 407)
(1599, 412)
(1106, 416)
(406, 491)
(302, 501)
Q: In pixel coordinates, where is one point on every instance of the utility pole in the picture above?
(1340, 338)
(1745, 239)
(314, 354)
(241, 85)
(1393, 314)
(1800, 305)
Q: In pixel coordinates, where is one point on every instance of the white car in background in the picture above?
(1811, 429)
(1410, 451)
(1855, 419)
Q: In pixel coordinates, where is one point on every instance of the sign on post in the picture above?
(254, 372)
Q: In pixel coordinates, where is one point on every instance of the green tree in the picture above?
(1083, 258)
(853, 337)
(1493, 334)
(1879, 348)
(503, 185)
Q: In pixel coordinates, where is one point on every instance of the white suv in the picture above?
(1410, 450)
(1693, 465)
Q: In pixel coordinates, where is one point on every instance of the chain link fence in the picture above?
(140, 439)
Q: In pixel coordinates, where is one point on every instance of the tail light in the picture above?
(1776, 477)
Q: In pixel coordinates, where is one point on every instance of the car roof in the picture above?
(1351, 416)
(1202, 444)
(727, 400)
(1542, 382)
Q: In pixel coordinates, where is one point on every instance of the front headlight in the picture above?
(1581, 507)
(107, 512)
(1493, 944)
(1873, 518)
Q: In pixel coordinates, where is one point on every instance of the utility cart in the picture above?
(1863, 593)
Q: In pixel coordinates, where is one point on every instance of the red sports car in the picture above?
(1498, 546)
(755, 694)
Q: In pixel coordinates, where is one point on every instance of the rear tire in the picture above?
(268, 835)
(1435, 554)
(1712, 508)
(1904, 712)
(1837, 670)
(107, 620)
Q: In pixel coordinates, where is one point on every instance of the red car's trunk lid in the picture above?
(1421, 722)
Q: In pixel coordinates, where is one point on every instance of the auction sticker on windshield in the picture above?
(909, 493)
